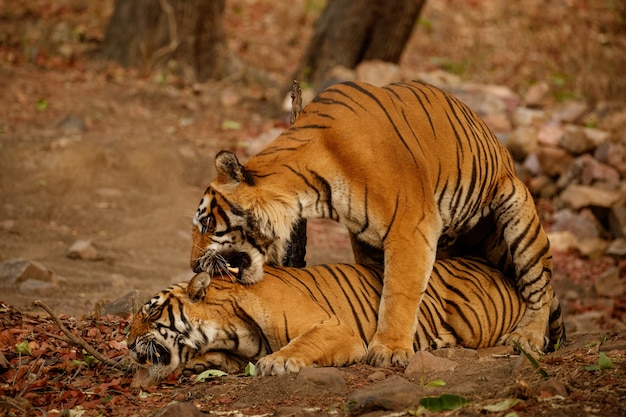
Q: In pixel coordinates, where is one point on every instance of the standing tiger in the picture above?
(408, 169)
(325, 316)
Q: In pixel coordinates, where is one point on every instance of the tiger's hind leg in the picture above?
(528, 249)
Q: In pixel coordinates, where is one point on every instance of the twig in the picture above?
(296, 101)
(77, 341)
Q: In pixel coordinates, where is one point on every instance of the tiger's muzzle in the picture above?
(148, 352)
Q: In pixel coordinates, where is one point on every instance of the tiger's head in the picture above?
(161, 336)
(194, 324)
(239, 226)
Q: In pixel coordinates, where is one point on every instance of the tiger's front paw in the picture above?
(533, 344)
(277, 364)
(380, 355)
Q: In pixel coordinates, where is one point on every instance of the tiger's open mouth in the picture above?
(233, 264)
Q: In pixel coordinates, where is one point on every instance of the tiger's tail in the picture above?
(556, 327)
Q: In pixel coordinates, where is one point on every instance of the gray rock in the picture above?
(377, 376)
(609, 283)
(575, 141)
(72, 124)
(537, 95)
(532, 164)
(582, 225)
(123, 306)
(426, 363)
(612, 154)
(550, 134)
(523, 116)
(326, 378)
(551, 387)
(617, 248)
(579, 196)
(83, 249)
(522, 142)
(393, 394)
(554, 161)
(15, 272)
(570, 111)
(177, 409)
(596, 135)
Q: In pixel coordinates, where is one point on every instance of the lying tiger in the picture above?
(317, 316)
(409, 170)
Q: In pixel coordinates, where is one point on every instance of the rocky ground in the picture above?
(101, 169)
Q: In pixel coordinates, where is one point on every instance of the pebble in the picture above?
(326, 378)
(426, 363)
(83, 249)
(180, 409)
(393, 394)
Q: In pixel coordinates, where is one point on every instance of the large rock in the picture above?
(579, 196)
(426, 363)
(522, 142)
(554, 161)
(324, 378)
(575, 141)
(27, 276)
(583, 225)
(393, 394)
(178, 409)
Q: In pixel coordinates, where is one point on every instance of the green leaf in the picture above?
(88, 359)
(443, 402)
(436, 383)
(42, 104)
(604, 361)
(209, 373)
(250, 369)
(23, 348)
(502, 405)
(230, 125)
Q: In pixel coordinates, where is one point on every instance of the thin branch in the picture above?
(77, 341)
(296, 101)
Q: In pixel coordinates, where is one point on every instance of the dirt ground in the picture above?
(120, 157)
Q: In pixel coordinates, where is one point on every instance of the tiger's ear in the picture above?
(196, 289)
(229, 170)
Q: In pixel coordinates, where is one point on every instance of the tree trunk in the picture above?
(150, 33)
(351, 31)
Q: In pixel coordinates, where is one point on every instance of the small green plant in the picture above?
(23, 348)
(604, 362)
(87, 361)
(42, 104)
